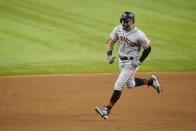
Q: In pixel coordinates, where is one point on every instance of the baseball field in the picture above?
(53, 68)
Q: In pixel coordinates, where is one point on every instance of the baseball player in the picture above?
(130, 40)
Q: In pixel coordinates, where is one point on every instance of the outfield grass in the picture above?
(62, 36)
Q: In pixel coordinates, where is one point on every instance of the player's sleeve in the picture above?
(113, 35)
(144, 41)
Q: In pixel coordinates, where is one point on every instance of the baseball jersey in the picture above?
(130, 42)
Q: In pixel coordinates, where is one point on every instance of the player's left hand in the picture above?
(135, 63)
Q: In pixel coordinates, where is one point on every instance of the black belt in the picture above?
(125, 58)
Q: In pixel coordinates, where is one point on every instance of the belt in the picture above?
(125, 58)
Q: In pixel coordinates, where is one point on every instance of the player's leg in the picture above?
(105, 111)
(124, 76)
(120, 83)
(137, 82)
(153, 81)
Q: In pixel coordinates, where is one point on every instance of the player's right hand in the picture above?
(110, 59)
(135, 63)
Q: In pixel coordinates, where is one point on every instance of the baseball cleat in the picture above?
(153, 81)
(104, 112)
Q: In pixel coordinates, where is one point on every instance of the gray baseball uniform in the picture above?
(130, 44)
(130, 40)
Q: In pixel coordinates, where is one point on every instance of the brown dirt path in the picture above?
(67, 102)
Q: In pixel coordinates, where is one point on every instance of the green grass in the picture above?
(62, 36)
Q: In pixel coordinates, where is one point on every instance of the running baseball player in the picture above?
(130, 40)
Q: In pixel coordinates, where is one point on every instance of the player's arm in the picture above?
(145, 53)
(145, 43)
(110, 44)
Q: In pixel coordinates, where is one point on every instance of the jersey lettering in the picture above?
(129, 42)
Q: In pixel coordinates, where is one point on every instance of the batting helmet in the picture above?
(127, 15)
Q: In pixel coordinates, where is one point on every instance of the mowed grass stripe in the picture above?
(23, 22)
(29, 38)
(170, 27)
(58, 20)
(34, 17)
(22, 36)
(60, 15)
(183, 10)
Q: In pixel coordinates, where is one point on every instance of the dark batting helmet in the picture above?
(127, 15)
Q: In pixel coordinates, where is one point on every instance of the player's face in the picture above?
(126, 24)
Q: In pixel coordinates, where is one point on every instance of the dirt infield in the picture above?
(67, 102)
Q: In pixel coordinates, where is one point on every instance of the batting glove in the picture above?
(110, 59)
(135, 64)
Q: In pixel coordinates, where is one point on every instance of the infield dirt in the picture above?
(67, 103)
